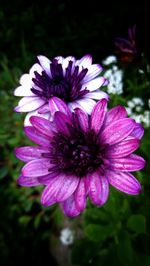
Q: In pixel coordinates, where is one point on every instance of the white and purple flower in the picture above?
(76, 82)
(79, 156)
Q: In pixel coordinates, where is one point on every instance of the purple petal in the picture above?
(98, 188)
(46, 179)
(56, 104)
(27, 104)
(44, 109)
(59, 189)
(29, 153)
(83, 119)
(116, 113)
(138, 131)
(43, 125)
(61, 121)
(125, 182)
(69, 207)
(80, 195)
(37, 137)
(98, 115)
(35, 168)
(128, 164)
(117, 131)
(27, 181)
(122, 149)
(35, 113)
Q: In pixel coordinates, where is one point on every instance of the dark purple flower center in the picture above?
(66, 86)
(79, 154)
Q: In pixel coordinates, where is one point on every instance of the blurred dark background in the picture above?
(69, 27)
(28, 232)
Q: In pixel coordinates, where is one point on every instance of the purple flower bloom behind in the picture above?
(127, 48)
(79, 155)
(76, 82)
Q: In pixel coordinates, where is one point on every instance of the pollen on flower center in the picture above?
(63, 84)
(77, 155)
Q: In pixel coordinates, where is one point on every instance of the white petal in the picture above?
(60, 59)
(85, 61)
(27, 104)
(45, 63)
(26, 80)
(35, 67)
(22, 91)
(66, 62)
(94, 84)
(93, 71)
(86, 105)
(97, 95)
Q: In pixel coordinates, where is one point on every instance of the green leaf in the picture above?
(83, 252)
(137, 223)
(24, 220)
(3, 172)
(124, 249)
(98, 233)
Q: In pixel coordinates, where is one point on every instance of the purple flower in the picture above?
(76, 82)
(127, 48)
(78, 156)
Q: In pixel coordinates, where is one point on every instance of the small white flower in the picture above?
(66, 236)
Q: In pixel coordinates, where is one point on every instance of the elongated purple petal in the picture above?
(59, 189)
(37, 137)
(83, 119)
(114, 114)
(42, 125)
(128, 164)
(29, 153)
(80, 195)
(98, 115)
(61, 121)
(117, 131)
(138, 131)
(69, 208)
(35, 168)
(27, 181)
(56, 104)
(122, 149)
(98, 188)
(46, 179)
(125, 182)
(35, 113)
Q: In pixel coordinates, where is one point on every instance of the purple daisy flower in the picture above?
(76, 82)
(78, 156)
